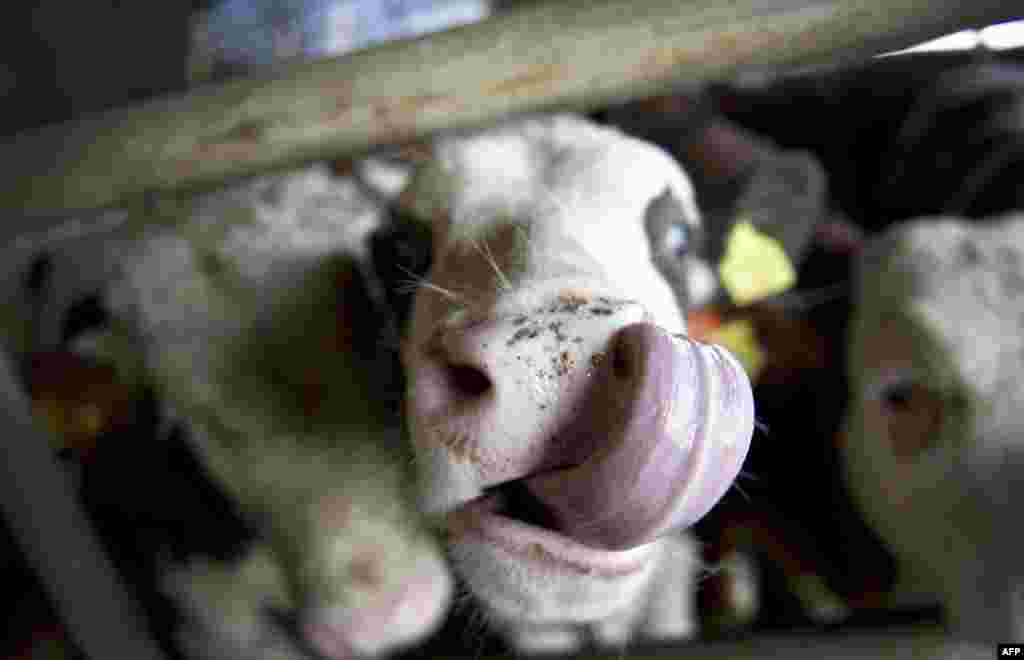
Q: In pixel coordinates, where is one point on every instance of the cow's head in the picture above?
(257, 334)
(933, 439)
(562, 419)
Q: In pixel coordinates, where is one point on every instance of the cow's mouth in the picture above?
(514, 500)
(509, 518)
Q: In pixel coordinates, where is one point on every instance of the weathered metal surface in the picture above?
(569, 54)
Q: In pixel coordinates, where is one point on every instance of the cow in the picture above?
(931, 442)
(241, 311)
(566, 428)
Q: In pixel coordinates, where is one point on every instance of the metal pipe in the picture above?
(571, 54)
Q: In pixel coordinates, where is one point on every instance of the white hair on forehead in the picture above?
(551, 167)
(929, 252)
(208, 297)
(242, 249)
(963, 283)
(496, 175)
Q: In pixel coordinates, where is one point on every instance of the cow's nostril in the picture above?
(468, 382)
(622, 362)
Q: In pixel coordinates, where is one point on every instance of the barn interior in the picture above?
(818, 140)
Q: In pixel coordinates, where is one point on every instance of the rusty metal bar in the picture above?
(571, 54)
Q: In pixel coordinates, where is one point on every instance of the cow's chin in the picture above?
(528, 575)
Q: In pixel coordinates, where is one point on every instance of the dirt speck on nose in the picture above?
(571, 301)
(565, 362)
(536, 552)
(521, 334)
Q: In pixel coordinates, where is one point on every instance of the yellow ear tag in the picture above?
(740, 338)
(755, 266)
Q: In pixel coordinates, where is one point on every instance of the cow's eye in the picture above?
(677, 239)
(900, 397)
(911, 413)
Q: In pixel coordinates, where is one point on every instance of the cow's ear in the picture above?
(785, 198)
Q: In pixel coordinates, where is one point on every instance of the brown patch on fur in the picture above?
(442, 218)
(566, 362)
(335, 512)
(79, 400)
(461, 446)
(339, 338)
(365, 571)
(407, 200)
(574, 298)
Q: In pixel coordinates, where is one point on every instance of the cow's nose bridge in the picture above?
(544, 344)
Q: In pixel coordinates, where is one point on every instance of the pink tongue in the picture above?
(653, 465)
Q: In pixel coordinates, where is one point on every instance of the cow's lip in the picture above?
(545, 548)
